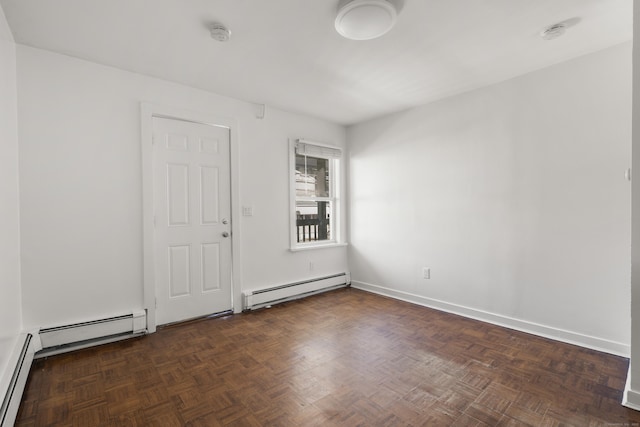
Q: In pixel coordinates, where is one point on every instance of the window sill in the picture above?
(319, 246)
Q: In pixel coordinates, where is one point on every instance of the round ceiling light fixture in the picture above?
(365, 19)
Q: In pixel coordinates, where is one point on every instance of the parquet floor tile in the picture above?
(343, 358)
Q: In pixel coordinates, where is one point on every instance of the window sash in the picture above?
(314, 199)
(331, 165)
(334, 155)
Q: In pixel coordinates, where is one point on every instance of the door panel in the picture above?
(210, 267)
(178, 194)
(192, 202)
(209, 182)
(179, 274)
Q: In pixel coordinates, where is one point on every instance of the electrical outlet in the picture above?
(426, 273)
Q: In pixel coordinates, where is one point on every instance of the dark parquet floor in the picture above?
(343, 358)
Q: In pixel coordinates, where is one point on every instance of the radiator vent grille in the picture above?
(84, 334)
(258, 298)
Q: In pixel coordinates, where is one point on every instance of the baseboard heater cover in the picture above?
(258, 298)
(60, 339)
(13, 396)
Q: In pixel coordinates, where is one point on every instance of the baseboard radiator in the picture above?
(21, 360)
(254, 299)
(66, 338)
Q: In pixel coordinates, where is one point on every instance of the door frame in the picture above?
(147, 113)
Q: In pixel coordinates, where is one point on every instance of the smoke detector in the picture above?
(365, 19)
(558, 29)
(219, 32)
(553, 31)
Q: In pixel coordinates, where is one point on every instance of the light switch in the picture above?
(247, 211)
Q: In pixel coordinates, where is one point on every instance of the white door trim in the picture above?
(147, 113)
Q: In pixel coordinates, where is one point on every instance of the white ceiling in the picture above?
(286, 53)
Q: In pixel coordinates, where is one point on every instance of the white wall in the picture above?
(80, 178)
(514, 195)
(10, 316)
(632, 389)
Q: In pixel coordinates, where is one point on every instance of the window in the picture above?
(315, 201)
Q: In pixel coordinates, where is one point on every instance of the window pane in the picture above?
(313, 221)
(312, 176)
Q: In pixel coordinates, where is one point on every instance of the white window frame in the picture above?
(335, 181)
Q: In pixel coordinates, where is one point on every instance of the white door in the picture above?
(192, 203)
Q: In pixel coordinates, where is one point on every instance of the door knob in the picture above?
(225, 221)
(225, 234)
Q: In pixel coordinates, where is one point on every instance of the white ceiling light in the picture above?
(365, 19)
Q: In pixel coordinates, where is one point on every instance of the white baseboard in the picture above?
(595, 343)
(630, 398)
(15, 378)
